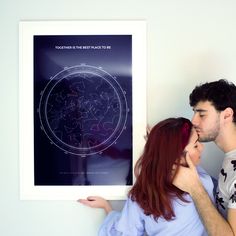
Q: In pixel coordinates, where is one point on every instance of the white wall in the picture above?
(189, 42)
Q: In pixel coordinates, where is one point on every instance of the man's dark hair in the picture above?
(221, 94)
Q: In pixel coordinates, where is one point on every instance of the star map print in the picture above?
(83, 110)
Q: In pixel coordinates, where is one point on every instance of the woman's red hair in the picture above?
(153, 189)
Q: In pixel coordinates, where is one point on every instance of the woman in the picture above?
(154, 204)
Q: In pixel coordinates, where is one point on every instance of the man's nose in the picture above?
(194, 120)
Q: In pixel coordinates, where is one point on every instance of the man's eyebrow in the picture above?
(199, 110)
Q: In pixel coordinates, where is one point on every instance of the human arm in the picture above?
(97, 202)
(231, 217)
(214, 223)
(187, 179)
(127, 222)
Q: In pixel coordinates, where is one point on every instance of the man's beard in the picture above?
(211, 136)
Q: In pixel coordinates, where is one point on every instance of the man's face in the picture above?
(206, 121)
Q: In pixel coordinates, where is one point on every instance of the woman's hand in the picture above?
(96, 202)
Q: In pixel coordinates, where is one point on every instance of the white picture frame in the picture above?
(27, 31)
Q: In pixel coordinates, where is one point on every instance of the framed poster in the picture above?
(82, 110)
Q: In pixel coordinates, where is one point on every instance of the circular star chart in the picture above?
(83, 110)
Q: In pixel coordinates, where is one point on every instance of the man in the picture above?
(214, 106)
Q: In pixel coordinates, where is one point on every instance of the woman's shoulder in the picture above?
(131, 203)
(202, 172)
(204, 176)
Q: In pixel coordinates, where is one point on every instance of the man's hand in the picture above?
(187, 178)
(96, 202)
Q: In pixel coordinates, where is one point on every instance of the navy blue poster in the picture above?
(82, 110)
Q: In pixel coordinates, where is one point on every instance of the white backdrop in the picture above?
(188, 42)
